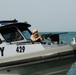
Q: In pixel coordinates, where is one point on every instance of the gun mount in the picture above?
(53, 37)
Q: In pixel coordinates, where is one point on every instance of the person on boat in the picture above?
(35, 37)
(15, 36)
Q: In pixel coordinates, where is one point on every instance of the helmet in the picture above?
(35, 30)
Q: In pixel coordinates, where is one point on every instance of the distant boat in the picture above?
(21, 57)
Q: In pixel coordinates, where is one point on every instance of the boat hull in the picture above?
(54, 61)
(48, 67)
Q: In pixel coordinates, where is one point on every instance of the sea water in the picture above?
(72, 70)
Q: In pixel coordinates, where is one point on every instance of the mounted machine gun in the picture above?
(54, 37)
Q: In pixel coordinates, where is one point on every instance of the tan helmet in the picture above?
(35, 30)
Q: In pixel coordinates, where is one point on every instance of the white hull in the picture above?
(47, 62)
(54, 67)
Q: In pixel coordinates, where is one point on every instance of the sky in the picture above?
(44, 15)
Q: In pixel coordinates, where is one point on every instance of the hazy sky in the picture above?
(45, 15)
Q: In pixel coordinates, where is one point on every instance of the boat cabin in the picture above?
(14, 31)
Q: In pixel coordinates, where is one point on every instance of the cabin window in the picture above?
(11, 34)
(26, 34)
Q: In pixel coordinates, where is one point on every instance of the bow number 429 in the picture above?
(20, 49)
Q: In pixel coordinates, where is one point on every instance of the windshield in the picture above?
(11, 34)
(26, 34)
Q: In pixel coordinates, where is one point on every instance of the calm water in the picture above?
(72, 70)
(67, 38)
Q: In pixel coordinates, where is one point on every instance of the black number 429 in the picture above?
(20, 49)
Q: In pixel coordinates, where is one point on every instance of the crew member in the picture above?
(35, 37)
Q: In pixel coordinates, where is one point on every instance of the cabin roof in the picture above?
(8, 21)
(16, 24)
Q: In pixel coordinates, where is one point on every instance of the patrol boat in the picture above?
(18, 56)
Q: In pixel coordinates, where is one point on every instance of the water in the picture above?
(67, 37)
(72, 70)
